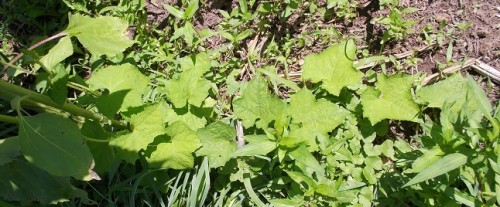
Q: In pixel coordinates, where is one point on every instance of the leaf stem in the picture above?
(9, 119)
(18, 56)
(11, 89)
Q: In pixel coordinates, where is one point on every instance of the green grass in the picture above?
(111, 109)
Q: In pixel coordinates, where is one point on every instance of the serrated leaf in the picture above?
(56, 145)
(257, 106)
(9, 149)
(317, 117)
(190, 88)
(442, 166)
(218, 143)
(390, 100)
(333, 67)
(437, 94)
(147, 124)
(125, 84)
(58, 53)
(255, 148)
(103, 35)
(26, 183)
(178, 153)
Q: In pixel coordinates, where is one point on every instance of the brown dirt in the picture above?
(480, 40)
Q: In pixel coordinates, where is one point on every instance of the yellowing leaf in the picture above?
(147, 125)
(390, 100)
(257, 106)
(100, 35)
(442, 166)
(218, 143)
(125, 84)
(55, 144)
(333, 67)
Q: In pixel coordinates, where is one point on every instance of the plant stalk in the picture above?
(9, 119)
(12, 89)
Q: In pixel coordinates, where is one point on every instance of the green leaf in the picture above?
(104, 155)
(217, 143)
(147, 124)
(302, 156)
(26, 183)
(56, 145)
(442, 166)
(125, 84)
(9, 149)
(317, 117)
(58, 90)
(62, 50)
(100, 35)
(448, 90)
(428, 158)
(333, 67)
(390, 100)
(178, 153)
(191, 9)
(172, 10)
(257, 103)
(477, 94)
(190, 88)
(255, 148)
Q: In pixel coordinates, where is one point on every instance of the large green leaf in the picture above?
(125, 84)
(178, 153)
(26, 183)
(147, 124)
(9, 149)
(448, 90)
(317, 117)
(390, 100)
(190, 88)
(104, 155)
(218, 143)
(257, 103)
(62, 50)
(55, 144)
(442, 166)
(100, 35)
(333, 67)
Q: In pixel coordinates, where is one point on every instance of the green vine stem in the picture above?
(9, 119)
(9, 90)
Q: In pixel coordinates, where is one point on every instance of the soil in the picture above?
(480, 40)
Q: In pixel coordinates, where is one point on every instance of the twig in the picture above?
(18, 56)
(487, 70)
(449, 70)
(240, 137)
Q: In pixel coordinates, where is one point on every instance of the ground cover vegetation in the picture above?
(247, 103)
